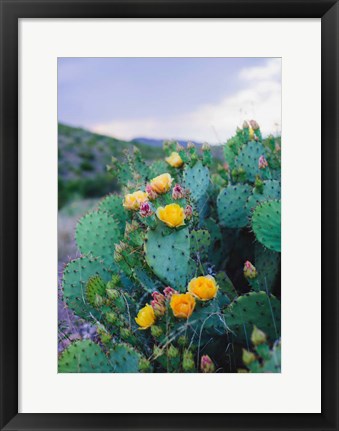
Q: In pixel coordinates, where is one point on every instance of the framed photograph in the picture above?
(169, 215)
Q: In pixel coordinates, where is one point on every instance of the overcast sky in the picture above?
(201, 99)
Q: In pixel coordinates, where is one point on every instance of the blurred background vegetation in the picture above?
(83, 157)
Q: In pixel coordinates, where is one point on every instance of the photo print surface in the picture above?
(169, 222)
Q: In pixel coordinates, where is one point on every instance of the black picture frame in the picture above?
(11, 11)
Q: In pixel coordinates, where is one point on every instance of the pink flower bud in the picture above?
(249, 270)
(188, 212)
(168, 292)
(158, 307)
(254, 125)
(159, 297)
(206, 364)
(158, 303)
(178, 192)
(145, 210)
(152, 195)
(262, 163)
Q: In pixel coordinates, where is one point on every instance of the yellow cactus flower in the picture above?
(203, 288)
(133, 201)
(182, 305)
(174, 160)
(162, 183)
(145, 317)
(173, 215)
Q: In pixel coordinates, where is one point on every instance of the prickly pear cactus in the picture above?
(232, 209)
(200, 242)
(168, 255)
(254, 308)
(157, 168)
(197, 180)
(178, 272)
(262, 358)
(266, 224)
(95, 290)
(267, 263)
(226, 285)
(248, 159)
(84, 357)
(96, 234)
(270, 190)
(76, 275)
(124, 359)
(111, 205)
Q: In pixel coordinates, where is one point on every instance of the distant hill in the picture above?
(85, 154)
(82, 160)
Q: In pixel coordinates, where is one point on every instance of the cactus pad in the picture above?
(124, 359)
(146, 282)
(83, 357)
(248, 159)
(267, 263)
(215, 255)
(231, 204)
(226, 285)
(96, 233)
(158, 167)
(197, 180)
(232, 148)
(200, 242)
(168, 255)
(266, 224)
(272, 364)
(112, 205)
(206, 317)
(75, 277)
(95, 287)
(271, 191)
(254, 308)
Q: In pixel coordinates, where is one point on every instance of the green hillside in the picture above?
(82, 159)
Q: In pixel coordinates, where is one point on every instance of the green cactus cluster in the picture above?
(177, 270)
(262, 357)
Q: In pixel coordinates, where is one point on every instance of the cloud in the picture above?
(259, 98)
(271, 70)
